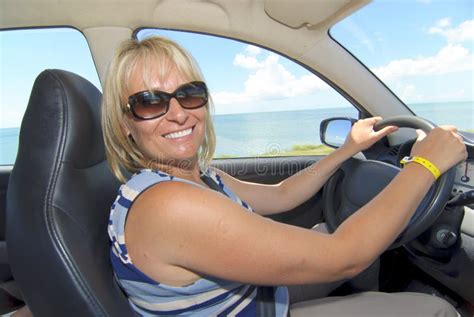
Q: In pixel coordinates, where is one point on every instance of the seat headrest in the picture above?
(68, 102)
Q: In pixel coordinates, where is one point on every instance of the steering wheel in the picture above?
(358, 181)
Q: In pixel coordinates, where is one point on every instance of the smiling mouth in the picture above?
(179, 134)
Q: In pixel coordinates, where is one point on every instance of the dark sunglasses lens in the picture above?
(153, 104)
(192, 95)
(149, 105)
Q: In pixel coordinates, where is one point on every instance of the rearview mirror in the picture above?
(333, 131)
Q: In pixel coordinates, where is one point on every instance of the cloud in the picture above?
(248, 62)
(269, 79)
(445, 22)
(414, 94)
(462, 33)
(253, 50)
(454, 57)
(451, 58)
(410, 92)
(361, 36)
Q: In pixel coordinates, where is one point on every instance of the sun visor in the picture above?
(298, 13)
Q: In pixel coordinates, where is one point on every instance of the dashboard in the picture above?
(464, 179)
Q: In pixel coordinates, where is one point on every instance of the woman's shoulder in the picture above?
(140, 182)
(146, 176)
(152, 193)
(148, 184)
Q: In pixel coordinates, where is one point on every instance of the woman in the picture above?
(180, 247)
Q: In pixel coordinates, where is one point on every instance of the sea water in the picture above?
(273, 132)
(250, 134)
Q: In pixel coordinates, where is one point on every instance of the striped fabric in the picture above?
(208, 296)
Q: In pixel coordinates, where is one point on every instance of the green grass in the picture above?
(224, 156)
(296, 150)
(302, 149)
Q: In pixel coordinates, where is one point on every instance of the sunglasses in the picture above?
(151, 104)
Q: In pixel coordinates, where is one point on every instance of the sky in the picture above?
(422, 49)
(426, 56)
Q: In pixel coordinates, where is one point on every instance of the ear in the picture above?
(125, 128)
(127, 132)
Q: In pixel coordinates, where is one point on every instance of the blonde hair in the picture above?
(122, 153)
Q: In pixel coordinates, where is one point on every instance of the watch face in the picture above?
(406, 159)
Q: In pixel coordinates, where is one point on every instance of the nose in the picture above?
(176, 113)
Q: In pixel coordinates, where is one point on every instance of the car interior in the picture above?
(55, 199)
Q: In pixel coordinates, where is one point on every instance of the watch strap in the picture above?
(423, 162)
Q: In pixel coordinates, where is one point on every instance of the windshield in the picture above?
(422, 50)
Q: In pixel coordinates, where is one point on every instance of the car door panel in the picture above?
(273, 170)
(4, 177)
(7, 285)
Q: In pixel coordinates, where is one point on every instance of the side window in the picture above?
(265, 104)
(24, 54)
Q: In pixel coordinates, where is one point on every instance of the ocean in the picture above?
(250, 134)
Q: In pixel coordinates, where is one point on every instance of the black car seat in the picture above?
(59, 196)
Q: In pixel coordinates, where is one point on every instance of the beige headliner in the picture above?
(297, 28)
(281, 25)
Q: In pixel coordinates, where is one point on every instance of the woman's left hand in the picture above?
(363, 136)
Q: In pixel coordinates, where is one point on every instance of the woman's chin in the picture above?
(182, 160)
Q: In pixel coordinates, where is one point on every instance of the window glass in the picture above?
(25, 54)
(265, 104)
(422, 50)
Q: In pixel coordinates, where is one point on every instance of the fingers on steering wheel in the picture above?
(386, 131)
(449, 128)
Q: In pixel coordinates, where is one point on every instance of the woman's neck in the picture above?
(189, 170)
(193, 174)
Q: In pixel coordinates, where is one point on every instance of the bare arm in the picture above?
(293, 191)
(206, 233)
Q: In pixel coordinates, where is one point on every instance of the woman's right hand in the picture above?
(443, 146)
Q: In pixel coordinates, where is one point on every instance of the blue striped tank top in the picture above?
(208, 296)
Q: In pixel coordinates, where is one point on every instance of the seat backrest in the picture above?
(59, 196)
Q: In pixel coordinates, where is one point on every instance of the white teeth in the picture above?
(179, 134)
